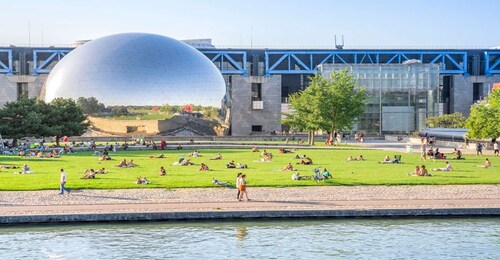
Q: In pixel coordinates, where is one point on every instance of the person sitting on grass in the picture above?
(203, 167)
(217, 157)
(486, 164)
(196, 154)
(416, 172)
(104, 158)
(264, 153)
(101, 171)
(26, 169)
(163, 172)
(360, 158)
(186, 162)
(161, 156)
(123, 164)
(421, 172)
(230, 165)
(296, 176)
(306, 161)
(300, 157)
(326, 174)
(387, 159)
(255, 149)
(131, 163)
(241, 166)
(288, 167)
(458, 153)
(283, 150)
(445, 169)
(141, 180)
(89, 174)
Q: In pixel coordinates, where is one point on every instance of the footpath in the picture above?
(221, 203)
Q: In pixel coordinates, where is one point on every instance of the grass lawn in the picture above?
(367, 172)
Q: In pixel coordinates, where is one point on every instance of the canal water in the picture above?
(292, 239)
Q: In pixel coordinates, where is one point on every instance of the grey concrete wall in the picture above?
(8, 90)
(461, 95)
(243, 116)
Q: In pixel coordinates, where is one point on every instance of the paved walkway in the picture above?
(263, 199)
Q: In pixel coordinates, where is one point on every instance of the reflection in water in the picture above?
(321, 239)
(241, 232)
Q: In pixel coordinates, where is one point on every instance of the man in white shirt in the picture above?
(63, 182)
(495, 147)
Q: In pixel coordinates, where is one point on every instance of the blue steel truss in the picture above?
(306, 62)
(229, 62)
(492, 62)
(53, 55)
(6, 68)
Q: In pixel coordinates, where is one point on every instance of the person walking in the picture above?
(238, 183)
(243, 188)
(63, 182)
(479, 149)
(495, 147)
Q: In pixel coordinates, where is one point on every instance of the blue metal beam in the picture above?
(279, 62)
(54, 56)
(492, 62)
(236, 61)
(6, 68)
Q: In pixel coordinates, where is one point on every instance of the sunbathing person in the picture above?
(196, 154)
(8, 167)
(241, 166)
(264, 153)
(447, 168)
(26, 169)
(217, 157)
(161, 156)
(255, 149)
(163, 172)
(101, 171)
(486, 164)
(416, 172)
(420, 171)
(141, 180)
(282, 150)
(288, 167)
(306, 161)
(458, 153)
(326, 174)
(186, 162)
(203, 167)
(131, 163)
(230, 165)
(300, 157)
(89, 174)
(123, 164)
(104, 158)
(350, 158)
(360, 158)
(267, 158)
(296, 176)
(387, 159)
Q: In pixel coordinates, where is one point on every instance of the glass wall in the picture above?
(400, 96)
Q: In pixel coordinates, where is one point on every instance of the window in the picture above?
(257, 128)
(22, 90)
(256, 92)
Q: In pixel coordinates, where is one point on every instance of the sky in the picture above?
(258, 23)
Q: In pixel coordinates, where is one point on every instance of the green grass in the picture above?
(367, 172)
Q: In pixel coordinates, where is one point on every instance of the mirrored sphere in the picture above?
(137, 69)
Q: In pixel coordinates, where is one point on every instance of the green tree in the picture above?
(119, 110)
(65, 118)
(484, 118)
(328, 104)
(90, 106)
(455, 120)
(22, 118)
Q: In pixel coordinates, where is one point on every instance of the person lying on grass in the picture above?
(101, 171)
(359, 158)
(486, 164)
(186, 162)
(203, 167)
(241, 166)
(447, 168)
(217, 157)
(300, 157)
(131, 163)
(161, 156)
(255, 149)
(288, 167)
(387, 159)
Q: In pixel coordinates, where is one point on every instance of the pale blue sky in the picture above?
(277, 23)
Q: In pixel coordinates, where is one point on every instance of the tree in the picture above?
(119, 110)
(455, 120)
(484, 118)
(326, 104)
(65, 118)
(90, 106)
(22, 118)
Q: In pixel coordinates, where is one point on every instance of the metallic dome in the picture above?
(137, 69)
